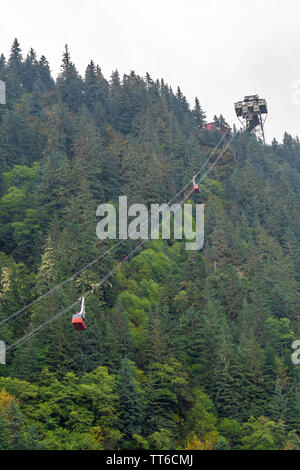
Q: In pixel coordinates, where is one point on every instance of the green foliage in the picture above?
(262, 434)
(183, 350)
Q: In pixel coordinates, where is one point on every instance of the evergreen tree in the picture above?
(198, 115)
(130, 405)
(15, 73)
(69, 83)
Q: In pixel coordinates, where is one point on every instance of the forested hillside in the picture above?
(183, 349)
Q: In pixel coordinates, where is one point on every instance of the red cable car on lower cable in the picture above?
(78, 319)
(196, 187)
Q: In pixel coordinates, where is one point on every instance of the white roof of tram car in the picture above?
(2, 92)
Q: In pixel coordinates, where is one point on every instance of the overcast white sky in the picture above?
(217, 50)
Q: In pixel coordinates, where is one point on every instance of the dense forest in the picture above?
(183, 349)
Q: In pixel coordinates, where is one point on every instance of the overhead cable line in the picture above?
(32, 333)
(22, 311)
